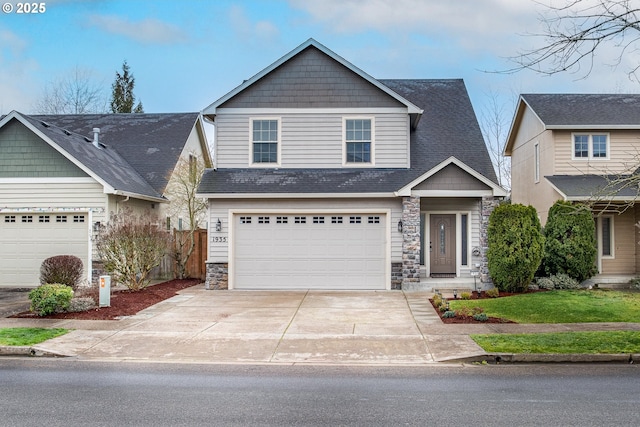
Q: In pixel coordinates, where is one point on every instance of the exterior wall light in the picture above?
(218, 225)
(400, 226)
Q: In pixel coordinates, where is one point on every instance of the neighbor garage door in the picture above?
(317, 251)
(26, 239)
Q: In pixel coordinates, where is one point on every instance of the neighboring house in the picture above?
(62, 175)
(572, 147)
(327, 178)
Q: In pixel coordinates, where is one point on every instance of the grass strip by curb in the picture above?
(596, 342)
(28, 336)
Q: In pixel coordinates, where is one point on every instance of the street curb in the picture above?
(29, 351)
(546, 358)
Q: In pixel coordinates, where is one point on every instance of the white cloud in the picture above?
(16, 84)
(244, 28)
(150, 31)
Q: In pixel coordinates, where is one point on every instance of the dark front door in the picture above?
(442, 244)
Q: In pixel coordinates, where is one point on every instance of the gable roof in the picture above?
(413, 110)
(448, 130)
(578, 112)
(137, 151)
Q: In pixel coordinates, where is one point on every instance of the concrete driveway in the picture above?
(284, 327)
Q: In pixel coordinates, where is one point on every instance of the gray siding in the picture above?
(451, 177)
(311, 80)
(23, 154)
(313, 139)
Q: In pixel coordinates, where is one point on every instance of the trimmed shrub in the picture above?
(50, 298)
(480, 317)
(570, 243)
(81, 304)
(449, 314)
(465, 295)
(564, 281)
(63, 269)
(464, 311)
(437, 300)
(492, 293)
(516, 246)
(545, 283)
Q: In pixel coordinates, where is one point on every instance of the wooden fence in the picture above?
(196, 267)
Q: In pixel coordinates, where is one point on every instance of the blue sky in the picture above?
(186, 54)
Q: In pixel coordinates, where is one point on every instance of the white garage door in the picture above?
(27, 239)
(317, 251)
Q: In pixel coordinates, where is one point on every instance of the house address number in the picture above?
(219, 239)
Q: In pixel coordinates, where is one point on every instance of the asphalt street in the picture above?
(70, 392)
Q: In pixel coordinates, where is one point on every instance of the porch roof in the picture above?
(596, 187)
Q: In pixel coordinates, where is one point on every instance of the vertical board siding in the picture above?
(312, 140)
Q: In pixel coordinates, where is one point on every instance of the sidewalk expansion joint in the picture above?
(275, 351)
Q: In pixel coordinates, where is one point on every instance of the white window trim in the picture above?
(612, 238)
(536, 155)
(344, 142)
(279, 142)
(590, 146)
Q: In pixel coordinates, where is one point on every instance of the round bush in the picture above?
(570, 243)
(63, 269)
(50, 298)
(516, 246)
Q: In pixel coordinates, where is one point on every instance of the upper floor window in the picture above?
(358, 141)
(264, 140)
(590, 146)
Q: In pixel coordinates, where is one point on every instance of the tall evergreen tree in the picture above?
(122, 97)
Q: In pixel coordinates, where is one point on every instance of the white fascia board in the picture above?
(495, 189)
(294, 195)
(138, 196)
(560, 192)
(292, 111)
(515, 122)
(593, 127)
(17, 180)
(212, 108)
(452, 193)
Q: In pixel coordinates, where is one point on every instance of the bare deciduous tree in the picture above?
(74, 93)
(495, 126)
(131, 245)
(574, 30)
(181, 191)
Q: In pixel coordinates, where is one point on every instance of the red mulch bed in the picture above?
(124, 303)
(470, 319)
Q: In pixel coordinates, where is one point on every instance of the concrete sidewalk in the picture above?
(283, 327)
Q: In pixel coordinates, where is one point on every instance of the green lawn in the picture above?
(563, 306)
(28, 336)
(609, 342)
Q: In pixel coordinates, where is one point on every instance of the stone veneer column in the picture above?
(489, 203)
(410, 241)
(217, 276)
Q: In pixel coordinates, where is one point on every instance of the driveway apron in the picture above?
(270, 327)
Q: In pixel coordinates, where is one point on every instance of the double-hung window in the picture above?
(590, 146)
(264, 141)
(358, 141)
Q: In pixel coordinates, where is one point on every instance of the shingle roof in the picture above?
(448, 127)
(585, 109)
(602, 187)
(150, 143)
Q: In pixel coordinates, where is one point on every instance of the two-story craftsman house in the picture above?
(576, 148)
(327, 178)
